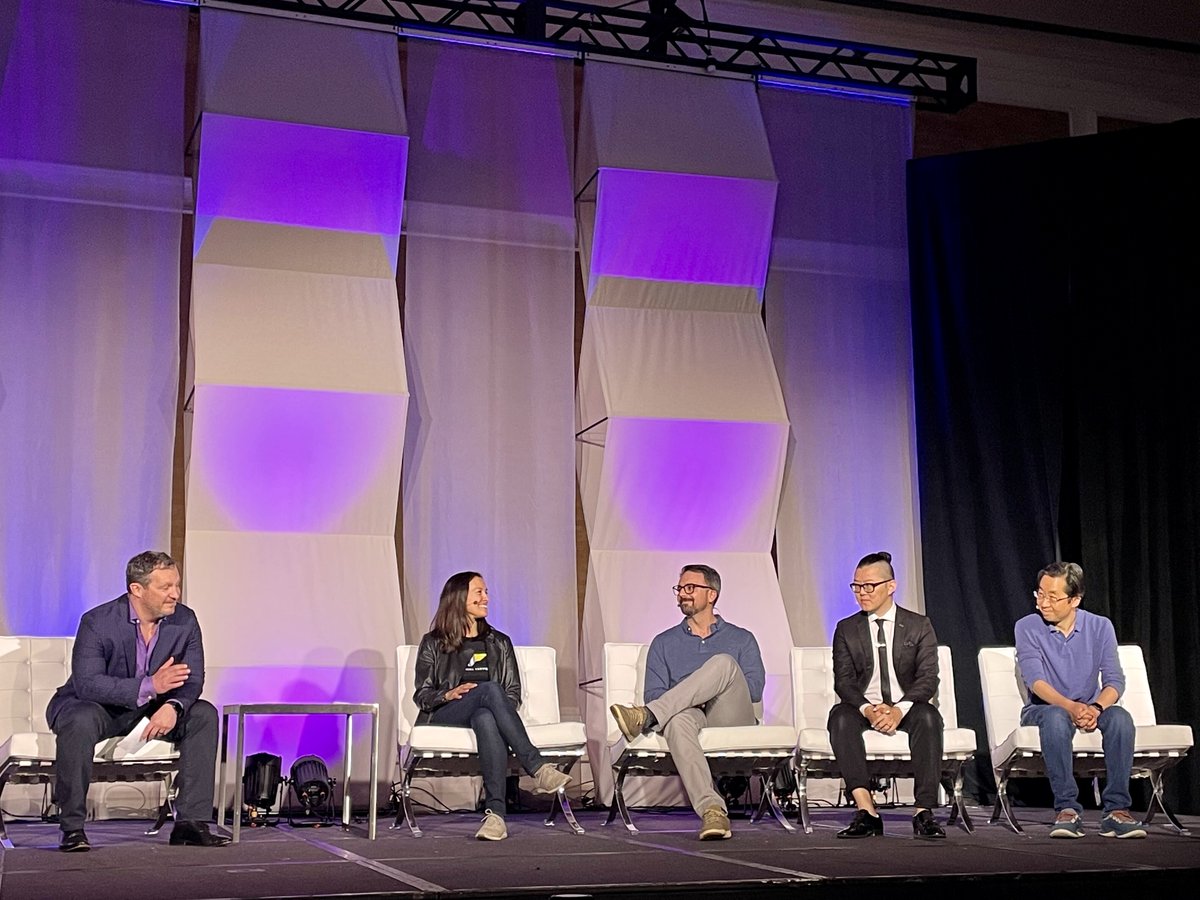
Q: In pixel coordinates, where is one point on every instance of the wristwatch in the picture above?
(179, 707)
(1099, 708)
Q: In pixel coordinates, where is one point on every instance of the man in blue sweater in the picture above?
(701, 672)
(1068, 659)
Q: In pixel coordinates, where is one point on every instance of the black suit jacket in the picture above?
(104, 659)
(914, 655)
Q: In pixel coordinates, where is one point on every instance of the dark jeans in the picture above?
(922, 723)
(81, 724)
(486, 711)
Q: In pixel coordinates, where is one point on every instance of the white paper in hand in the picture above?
(133, 742)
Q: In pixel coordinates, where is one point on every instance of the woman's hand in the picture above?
(456, 693)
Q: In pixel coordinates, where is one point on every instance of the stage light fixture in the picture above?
(261, 779)
(311, 782)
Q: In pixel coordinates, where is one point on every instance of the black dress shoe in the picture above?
(924, 826)
(74, 842)
(863, 825)
(196, 834)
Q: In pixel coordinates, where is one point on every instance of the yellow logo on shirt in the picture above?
(477, 658)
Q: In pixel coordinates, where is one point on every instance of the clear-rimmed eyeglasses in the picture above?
(1042, 595)
(688, 589)
(866, 587)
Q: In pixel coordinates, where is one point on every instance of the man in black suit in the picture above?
(895, 695)
(139, 656)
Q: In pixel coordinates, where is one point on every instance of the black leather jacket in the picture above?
(439, 671)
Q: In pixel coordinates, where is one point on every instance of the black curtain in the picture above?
(1054, 326)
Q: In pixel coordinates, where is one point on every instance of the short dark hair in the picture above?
(881, 557)
(711, 576)
(138, 569)
(1072, 572)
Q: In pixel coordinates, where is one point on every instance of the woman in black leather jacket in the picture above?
(467, 677)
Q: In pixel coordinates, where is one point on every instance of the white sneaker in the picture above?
(492, 829)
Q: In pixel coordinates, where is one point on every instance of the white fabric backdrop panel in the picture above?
(672, 227)
(489, 319)
(296, 330)
(684, 364)
(89, 355)
(657, 120)
(495, 129)
(88, 313)
(299, 71)
(294, 457)
(675, 484)
(80, 87)
(838, 319)
(263, 245)
(324, 602)
(267, 459)
(490, 483)
(295, 174)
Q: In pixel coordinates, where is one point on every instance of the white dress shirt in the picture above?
(874, 691)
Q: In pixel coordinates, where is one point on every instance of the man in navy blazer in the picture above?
(138, 656)
(885, 672)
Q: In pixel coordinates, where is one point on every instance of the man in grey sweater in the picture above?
(704, 671)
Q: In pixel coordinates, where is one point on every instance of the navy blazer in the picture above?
(104, 660)
(914, 654)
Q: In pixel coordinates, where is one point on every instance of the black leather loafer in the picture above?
(863, 825)
(195, 834)
(74, 842)
(924, 826)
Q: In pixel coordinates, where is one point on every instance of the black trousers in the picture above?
(922, 723)
(81, 724)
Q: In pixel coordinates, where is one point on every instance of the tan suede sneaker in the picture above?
(548, 780)
(630, 719)
(714, 825)
(492, 829)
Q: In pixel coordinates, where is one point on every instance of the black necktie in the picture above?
(885, 683)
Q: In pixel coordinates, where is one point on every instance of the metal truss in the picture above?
(659, 32)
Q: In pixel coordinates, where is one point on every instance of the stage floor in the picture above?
(536, 861)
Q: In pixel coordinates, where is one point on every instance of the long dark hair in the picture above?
(450, 621)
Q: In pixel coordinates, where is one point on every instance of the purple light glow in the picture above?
(692, 485)
(304, 175)
(668, 226)
(292, 460)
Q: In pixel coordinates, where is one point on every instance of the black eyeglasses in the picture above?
(866, 587)
(688, 589)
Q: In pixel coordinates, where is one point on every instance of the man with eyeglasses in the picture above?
(704, 671)
(1068, 659)
(885, 672)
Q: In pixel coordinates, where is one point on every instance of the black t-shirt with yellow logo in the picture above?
(476, 669)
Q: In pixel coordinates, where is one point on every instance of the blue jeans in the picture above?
(1057, 730)
(486, 711)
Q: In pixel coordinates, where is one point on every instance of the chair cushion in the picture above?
(740, 739)
(955, 741)
(453, 739)
(39, 745)
(1148, 739)
(558, 736)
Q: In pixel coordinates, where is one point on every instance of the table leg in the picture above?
(224, 769)
(373, 786)
(346, 772)
(239, 766)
